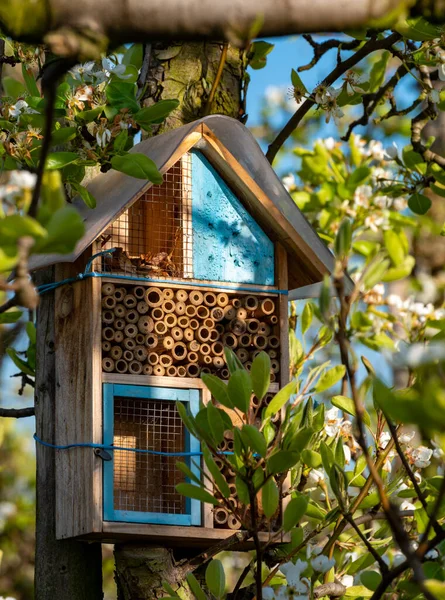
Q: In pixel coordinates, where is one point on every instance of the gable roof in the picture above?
(231, 149)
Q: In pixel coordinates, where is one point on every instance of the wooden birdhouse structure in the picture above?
(170, 274)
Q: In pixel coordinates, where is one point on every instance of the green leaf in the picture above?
(436, 587)
(188, 421)
(307, 316)
(242, 491)
(120, 141)
(357, 591)
(155, 113)
(218, 478)
(216, 423)
(195, 587)
(400, 272)
(375, 272)
(64, 229)
(378, 70)
(133, 56)
(14, 227)
(358, 177)
(188, 472)
(87, 116)
(137, 165)
(10, 316)
(347, 405)
(240, 390)
(295, 510)
(258, 53)
(22, 365)
(419, 204)
(218, 389)
(63, 135)
(58, 160)
(282, 461)
(195, 492)
(394, 246)
(418, 29)
(327, 457)
(260, 374)
(343, 239)
(255, 439)
(233, 362)
(215, 578)
(297, 82)
(270, 497)
(438, 189)
(86, 196)
(29, 80)
(330, 378)
(280, 399)
(13, 87)
(311, 458)
(122, 95)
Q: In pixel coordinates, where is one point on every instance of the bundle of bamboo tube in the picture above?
(183, 332)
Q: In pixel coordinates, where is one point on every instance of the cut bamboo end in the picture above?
(130, 330)
(119, 294)
(190, 310)
(152, 340)
(119, 336)
(217, 349)
(192, 357)
(248, 365)
(275, 366)
(221, 516)
(182, 371)
(274, 341)
(241, 313)
(121, 366)
(146, 324)
(193, 346)
(154, 297)
(139, 292)
(250, 303)
(237, 326)
(109, 302)
(147, 369)
(206, 359)
(106, 346)
(168, 342)
(142, 307)
(206, 370)
(132, 316)
(179, 351)
(205, 349)
(236, 302)
(180, 308)
(119, 324)
(172, 371)
(272, 353)
(219, 328)
(217, 314)
(229, 312)
(194, 324)
(189, 334)
(233, 523)
(140, 339)
(242, 354)
(210, 299)
(183, 321)
(274, 319)
(196, 297)
(203, 334)
(108, 316)
(108, 364)
(157, 313)
(182, 296)
(169, 294)
(171, 320)
(165, 360)
(108, 334)
(268, 306)
(108, 289)
(192, 370)
(245, 340)
(140, 353)
(116, 352)
(218, 362)
(209, 323)
(161, 328)
(260, 341)
(168, 306)
(135, 367)
(225, 373)
(252, 325)
(214, 335)
(153, 358)
(222, 300)
(264, 329)
(130, 301)
(232, 486)
(230, 340)
(202, 312)
(177, 334)
(120, 311)
(158, 371)
(128, 355)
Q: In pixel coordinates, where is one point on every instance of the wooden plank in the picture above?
(283, 312)
(170, 382)
(207, 509)
(187, 234)
(78, 403)
(258, 203)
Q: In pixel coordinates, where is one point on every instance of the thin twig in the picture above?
(320, 49)
(17, 413)
(219, 72)
(382, 565)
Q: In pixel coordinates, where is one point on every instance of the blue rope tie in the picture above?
(48, 287)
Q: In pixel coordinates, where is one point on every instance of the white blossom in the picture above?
(347, 580)
(288, 181)
(421, 457)
(21, 106)
(315, 477)
(406, 436)
(376, 151)
(391, 152)
(432, 554)
(84, 93)
(23, 179)
(362, 195)
(103, 137)
(384, 439)
(83, 71)
(117, 70)
(347, 453)
(322, 563)
(407, 506)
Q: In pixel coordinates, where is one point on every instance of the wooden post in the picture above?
(282, 282)
(63, 569)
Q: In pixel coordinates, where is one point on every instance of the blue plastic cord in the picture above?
(121, 448)
(43, 289)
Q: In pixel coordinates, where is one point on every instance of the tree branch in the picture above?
(17, 413)
(320, 49)
(333, 590)
(370, 46)
(382, 565)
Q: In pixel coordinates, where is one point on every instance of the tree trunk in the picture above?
(185, 71)
(64, 570)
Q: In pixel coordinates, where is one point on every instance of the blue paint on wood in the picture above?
(228, 244)
(192, 514)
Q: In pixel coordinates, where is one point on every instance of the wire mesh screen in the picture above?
(146, 482)
(154, 236)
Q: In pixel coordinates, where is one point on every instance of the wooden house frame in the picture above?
(83, 389)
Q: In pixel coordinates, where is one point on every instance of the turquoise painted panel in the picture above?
(228, 244)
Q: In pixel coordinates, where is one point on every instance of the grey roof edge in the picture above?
(114, 190)
(313, 291)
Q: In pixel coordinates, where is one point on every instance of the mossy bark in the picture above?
(184, 71)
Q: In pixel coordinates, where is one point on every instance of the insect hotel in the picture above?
(170, 275)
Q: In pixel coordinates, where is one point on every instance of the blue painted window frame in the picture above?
(192, 516)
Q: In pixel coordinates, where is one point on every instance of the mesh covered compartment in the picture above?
(146, 482)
